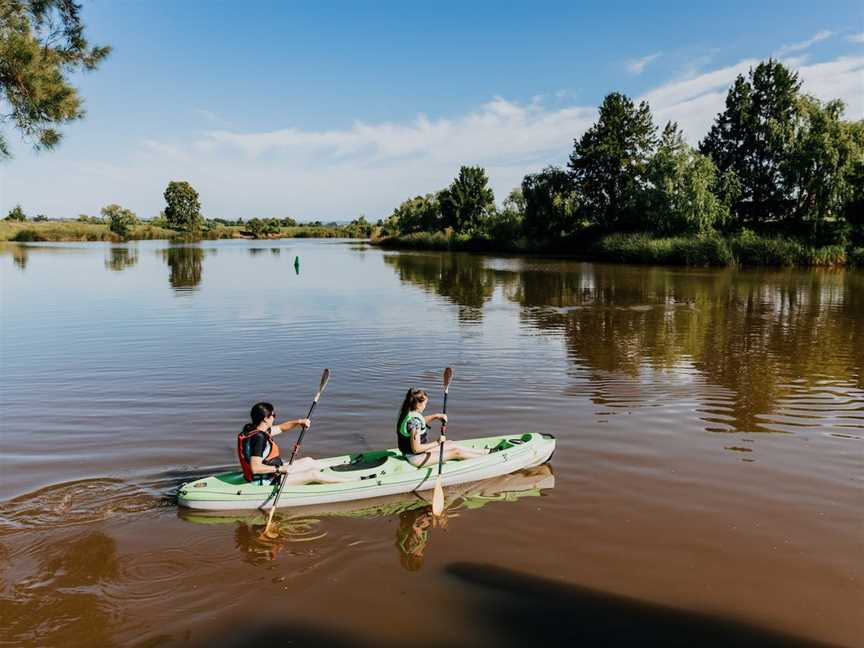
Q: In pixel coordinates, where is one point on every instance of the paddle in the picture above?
(438, 495)
(324, 378)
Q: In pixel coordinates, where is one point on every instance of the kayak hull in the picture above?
(371, 474)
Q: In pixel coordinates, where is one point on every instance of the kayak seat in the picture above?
(364, 461)
(506, 444)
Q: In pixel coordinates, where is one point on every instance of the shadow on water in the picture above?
(520, 609)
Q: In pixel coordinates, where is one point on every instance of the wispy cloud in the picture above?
(856, 38)
(637, 66)
(806, 44)
(371, 167)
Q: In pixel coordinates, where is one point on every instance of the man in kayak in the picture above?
(411, 433)
(259, 454)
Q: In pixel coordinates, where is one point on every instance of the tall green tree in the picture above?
(183, 210)
(754, 136)
(551, 205)
(682, 196)
(41, 44)
(120, 220)
(608, 162)
(818, 171)
(467, 201)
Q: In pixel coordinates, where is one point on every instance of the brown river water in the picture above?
(707, 488)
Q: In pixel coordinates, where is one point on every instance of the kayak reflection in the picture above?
(413, 510)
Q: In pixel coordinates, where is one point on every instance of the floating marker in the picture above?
(297, 264)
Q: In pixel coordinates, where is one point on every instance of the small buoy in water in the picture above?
(297, 264)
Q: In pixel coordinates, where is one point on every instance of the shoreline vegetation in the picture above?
(71, 230)
(778, 180)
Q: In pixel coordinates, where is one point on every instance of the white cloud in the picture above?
(637, 66)
(803, 45)
(369, 167)
(856, 38)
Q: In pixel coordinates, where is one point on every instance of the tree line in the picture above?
(775, 161)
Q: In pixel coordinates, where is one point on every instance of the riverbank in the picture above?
(28, 231)
(746, 249)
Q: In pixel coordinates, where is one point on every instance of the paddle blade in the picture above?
(325, 376)
(438, 498)
(448, 376)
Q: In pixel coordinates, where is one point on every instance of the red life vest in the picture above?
(244, 453)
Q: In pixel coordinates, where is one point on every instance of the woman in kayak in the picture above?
(259, 454)
(411, 432)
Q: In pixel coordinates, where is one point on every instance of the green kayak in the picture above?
(374, 474)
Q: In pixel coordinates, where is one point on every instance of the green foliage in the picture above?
(183, 210)
(41, 44)
(551, 206)
(120, 220)
(750, 249)
(418, 214)
(681, 196)
(820, 169)
(263, 228)
(467, 201)
(40, 218)
(609, 161)
(16, 214)
(754, 137)
(643, 248)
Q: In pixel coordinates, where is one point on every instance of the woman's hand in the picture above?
(442, 417)
(304, 423)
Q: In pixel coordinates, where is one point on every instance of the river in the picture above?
(706, 488)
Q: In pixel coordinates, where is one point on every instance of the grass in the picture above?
(76, 231)
(745, 249)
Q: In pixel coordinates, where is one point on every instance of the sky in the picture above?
(325, 111)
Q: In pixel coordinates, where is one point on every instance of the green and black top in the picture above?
(413, 422)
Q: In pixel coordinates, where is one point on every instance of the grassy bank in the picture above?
(75, 231)
(745, 249)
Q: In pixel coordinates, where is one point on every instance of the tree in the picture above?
(418, 214)
(120, 220)
(183, 211)
(41, 44)
(608, 162)
(819, 169)
(467, 201)
(551, 207)
(754, 136)
(263, 228)
(40, 218)
(681, 198)
(16, 214)
(506, 225)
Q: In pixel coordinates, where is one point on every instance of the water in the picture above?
(707, 486)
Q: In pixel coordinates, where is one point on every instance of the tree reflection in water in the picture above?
(120, 258)
(764, 336)
(185, 263)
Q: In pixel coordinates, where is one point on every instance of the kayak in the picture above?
(528, 482)
(371, 474)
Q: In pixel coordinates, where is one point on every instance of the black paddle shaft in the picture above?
(443, 433)
(302, 432)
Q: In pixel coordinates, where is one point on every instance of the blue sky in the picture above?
(329, 111)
